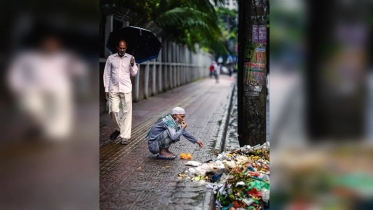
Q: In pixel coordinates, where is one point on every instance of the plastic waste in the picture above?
(193, 163)
(216, 177)
(186, 156)
(240, 178)
(223, 178)
(241, 183)
(265, 195)
(216, 167)
(242, 160)
(264, 177)
(248, 201)
(229, 164)
(192, 170)
(200, 171)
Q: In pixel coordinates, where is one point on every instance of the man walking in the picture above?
(168, 130)
(118, 90)
(217, 68)
(41, 82)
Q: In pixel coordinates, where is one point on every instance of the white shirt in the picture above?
(37, 71)
(117, 73)
(217, 68)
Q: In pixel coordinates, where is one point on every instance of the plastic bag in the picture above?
(265, 195)
(229, 164)
(242, 160)
(200, 171)
(186, 156)
(193, 163)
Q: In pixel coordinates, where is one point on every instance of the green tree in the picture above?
(186, 22)
(228, 25)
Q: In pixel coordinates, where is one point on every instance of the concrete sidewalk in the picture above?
(130, 178)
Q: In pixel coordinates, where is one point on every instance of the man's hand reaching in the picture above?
(200, 144)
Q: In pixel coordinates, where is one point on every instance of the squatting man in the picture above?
(168, 130)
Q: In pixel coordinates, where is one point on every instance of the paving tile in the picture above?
(130, 178)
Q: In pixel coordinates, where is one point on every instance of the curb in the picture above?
(209, 202)
(225, 121)
(226, 136)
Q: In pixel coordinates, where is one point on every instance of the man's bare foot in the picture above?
(170, 152)
(165, 153)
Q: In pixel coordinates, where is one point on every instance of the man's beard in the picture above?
(121, 54)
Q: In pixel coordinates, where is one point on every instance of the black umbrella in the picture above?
(141, 43)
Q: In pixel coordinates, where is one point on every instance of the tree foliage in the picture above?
(228, 25)
(187, 22)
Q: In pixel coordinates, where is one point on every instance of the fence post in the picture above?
(137, 81)
(183, 65)
(170, 82)
(146, 85)
(178, 64)
(186, 65)
(189, 65)
(165, 87)
(173, 65)
(160, 69)
(153, 78)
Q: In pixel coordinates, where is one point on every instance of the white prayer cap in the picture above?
(178, 110)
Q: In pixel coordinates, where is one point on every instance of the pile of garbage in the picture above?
(239, 178)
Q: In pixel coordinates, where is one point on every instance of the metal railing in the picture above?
(175, 65)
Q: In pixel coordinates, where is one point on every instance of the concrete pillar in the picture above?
(146, 83)
(196, 62)
(193, 68)
(199, 63)
(170, 79)
(186, 62)
(154, 91)
(174, 66)
(137, 83)
(166, 60)
(159, 59)
(189, 72)
(188, 68)
(178, 66)
(197, 67)
(108, 29)
(183, 65)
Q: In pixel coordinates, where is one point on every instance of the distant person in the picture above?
(211, 68)
(217, 68)
(41, 80)
(168, 130)
(118, 90)
(230, 69)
